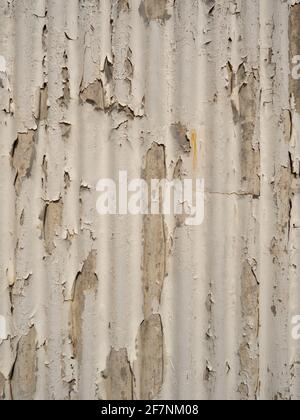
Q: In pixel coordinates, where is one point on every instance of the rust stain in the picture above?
(194, 145)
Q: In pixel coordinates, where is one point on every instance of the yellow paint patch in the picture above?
(194, 148)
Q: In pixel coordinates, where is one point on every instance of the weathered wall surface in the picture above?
(130, 307)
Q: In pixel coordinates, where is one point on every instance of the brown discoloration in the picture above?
(150, 362)
(154, 235)
(294, 37)
(246, 87)
(150, 359)
(154, 10)
(118, 376)
(86, 283)
(23, 381)
(249, 351)
(52, 223)
(23, 154)
(180, 135)
(94, 95)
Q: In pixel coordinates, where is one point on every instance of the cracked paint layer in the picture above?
(131, 307)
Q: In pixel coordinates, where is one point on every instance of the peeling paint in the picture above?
(24, 376)
(249, 350)
(154, 236)
(123, 6)
(294, 35)
(180, 135)
(43, 109)
(124, 307)
(52, 223)
(86, 283)
(154, 10)
(149, 368)
(245, 110)
(66, 96)
(23, 154)
(2, 386)
(2, 64)
(94, 95)
(118, 376)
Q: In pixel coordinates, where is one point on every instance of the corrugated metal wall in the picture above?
(142, 307)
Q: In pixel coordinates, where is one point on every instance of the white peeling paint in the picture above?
(3, 328)
(177, 89)
(2, 64)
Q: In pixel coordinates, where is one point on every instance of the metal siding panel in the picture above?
(147, 307)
